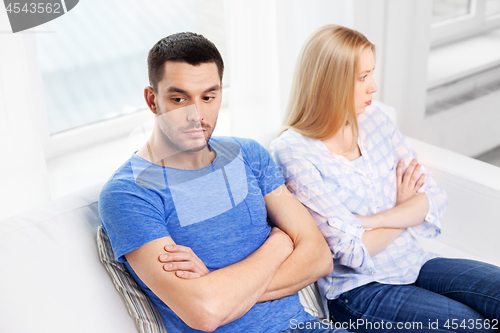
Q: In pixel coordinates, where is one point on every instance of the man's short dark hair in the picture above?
(188, 47)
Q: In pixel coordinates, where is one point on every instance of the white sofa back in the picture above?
(51, 276)
(471, 224)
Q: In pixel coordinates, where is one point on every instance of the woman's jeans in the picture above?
(449, 295)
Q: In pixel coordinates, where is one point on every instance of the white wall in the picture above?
(369, 19)
(296, 20)
(265, 38)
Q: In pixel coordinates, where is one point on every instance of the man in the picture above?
(187, 213)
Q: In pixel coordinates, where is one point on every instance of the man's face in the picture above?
(188, 100)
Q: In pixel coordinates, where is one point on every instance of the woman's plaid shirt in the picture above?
(333, 188)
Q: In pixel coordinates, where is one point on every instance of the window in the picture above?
(445, 10)
(93, 60)
(464, 62)
(492, 8)
(453, 20)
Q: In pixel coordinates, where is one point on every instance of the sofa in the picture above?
(53, 281)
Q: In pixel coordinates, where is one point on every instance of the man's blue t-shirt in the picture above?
(218, 211)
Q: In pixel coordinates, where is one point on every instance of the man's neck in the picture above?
(158, 152)
(190, 160)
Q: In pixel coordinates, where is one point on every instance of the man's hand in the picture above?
(183, 261)
(287, 241)
(311, 258)
(409, 183)
(214, 299)
(186, 264)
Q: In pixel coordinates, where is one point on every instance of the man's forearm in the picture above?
(219, 297)
(304, 266)
(311, 258)
(256, 273)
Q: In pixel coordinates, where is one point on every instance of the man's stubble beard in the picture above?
(178, 145)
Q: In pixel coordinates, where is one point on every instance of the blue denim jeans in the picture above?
(449, 295)
(314, 326)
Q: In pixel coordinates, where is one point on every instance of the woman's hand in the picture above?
(409, 183)
(183, 261)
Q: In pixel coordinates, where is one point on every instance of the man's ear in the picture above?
(150, 97)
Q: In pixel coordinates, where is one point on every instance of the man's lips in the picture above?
(195, 133)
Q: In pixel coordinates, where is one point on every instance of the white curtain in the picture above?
(22, 162)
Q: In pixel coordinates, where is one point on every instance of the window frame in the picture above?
(465, 26)
(86, 135)
(72, 140)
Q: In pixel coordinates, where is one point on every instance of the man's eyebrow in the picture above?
(174, 89)
(179, 90)
(216, 87)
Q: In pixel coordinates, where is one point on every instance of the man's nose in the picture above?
(193, 112)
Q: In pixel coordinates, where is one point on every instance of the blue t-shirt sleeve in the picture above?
(262, 165)
(131, 215)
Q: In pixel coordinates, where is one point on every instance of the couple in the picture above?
(188, 214)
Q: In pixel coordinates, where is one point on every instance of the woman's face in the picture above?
(365, 85)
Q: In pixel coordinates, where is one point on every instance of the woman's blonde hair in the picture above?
(322, 96)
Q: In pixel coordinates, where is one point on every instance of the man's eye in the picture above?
(208, 98)
(178, 99)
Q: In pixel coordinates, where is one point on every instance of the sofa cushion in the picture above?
(146, 315)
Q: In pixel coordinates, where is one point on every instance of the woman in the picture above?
(347, 162)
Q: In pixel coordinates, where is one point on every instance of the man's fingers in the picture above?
(178, 248)
(179, 266)
(177, 256)
(187, 275)
(182, 266)
(180, 258)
